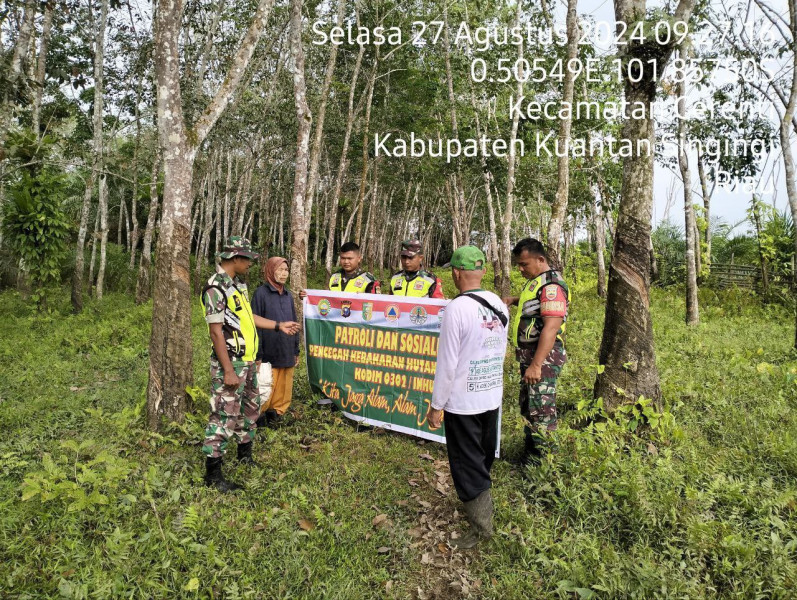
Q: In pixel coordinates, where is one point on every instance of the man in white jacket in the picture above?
(468, 388)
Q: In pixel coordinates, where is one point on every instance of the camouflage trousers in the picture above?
(233, 411)
(538, 401)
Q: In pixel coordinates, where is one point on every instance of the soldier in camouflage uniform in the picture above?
(538, 331)
(234, 397)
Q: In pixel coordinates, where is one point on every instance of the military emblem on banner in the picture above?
(324, 307)
(392, 312)
(418, 315)
(345, 308)
(368, 311)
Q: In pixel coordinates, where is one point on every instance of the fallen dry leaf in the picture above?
(379, 520)
(426, 457)
(653, 450)
(382, 550)
(415, 532)
(306, 525)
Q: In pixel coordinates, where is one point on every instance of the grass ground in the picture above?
(702, 504)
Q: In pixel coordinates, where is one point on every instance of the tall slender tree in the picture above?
(170, 347)
(627, 351)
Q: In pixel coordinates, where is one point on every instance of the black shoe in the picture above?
(214, 477)
(262, 421)
(532, 449)
(245, 454)
(273, 417)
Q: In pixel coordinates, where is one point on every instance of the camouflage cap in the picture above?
(237, 245)
(410, 248)
(468, 258)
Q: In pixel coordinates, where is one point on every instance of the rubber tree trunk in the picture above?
(559, 208)
(301, 201)
(785, 139)
(170, 346)
(600, 241)
(145, 263)
(41, 64)
(627, 351)
(692, 310)
(335, 200)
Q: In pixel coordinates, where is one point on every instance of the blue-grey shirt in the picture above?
(275, 347)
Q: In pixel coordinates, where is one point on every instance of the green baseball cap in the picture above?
(468, 258)
(237, 245)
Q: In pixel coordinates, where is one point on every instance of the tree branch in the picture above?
(236, 72)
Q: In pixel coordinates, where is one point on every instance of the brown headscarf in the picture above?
(274, 263)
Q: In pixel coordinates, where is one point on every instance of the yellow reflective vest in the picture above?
(238, 327)
(419, 286)
(526, 328)
(357, 284)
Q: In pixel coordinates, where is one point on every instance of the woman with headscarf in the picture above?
(273, 300)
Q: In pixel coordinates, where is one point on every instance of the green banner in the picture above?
(374, 357)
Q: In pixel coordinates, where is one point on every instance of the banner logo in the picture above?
(418, 315)
(368, 311)
(345, 308)
(324, 307)
(392, 312)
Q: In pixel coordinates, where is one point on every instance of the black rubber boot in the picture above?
(262, 421)
(479, 512)
(215, 478)
(245, 454)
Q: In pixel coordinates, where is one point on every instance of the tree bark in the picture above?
(80, 249)
(335, 200)
(143, 280)
(103, 233)
(785, 138)
(21, 44)
(701, 173)
(559, 207)
(170, 347)
(96, 167)
(315, 152)
(99, 150)
(366, 132)
(627, 350)
(692, 310)
(301, 202)
(41, 64)
(134, 232)
(600, 240)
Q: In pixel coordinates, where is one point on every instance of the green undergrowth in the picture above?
(696, 498)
